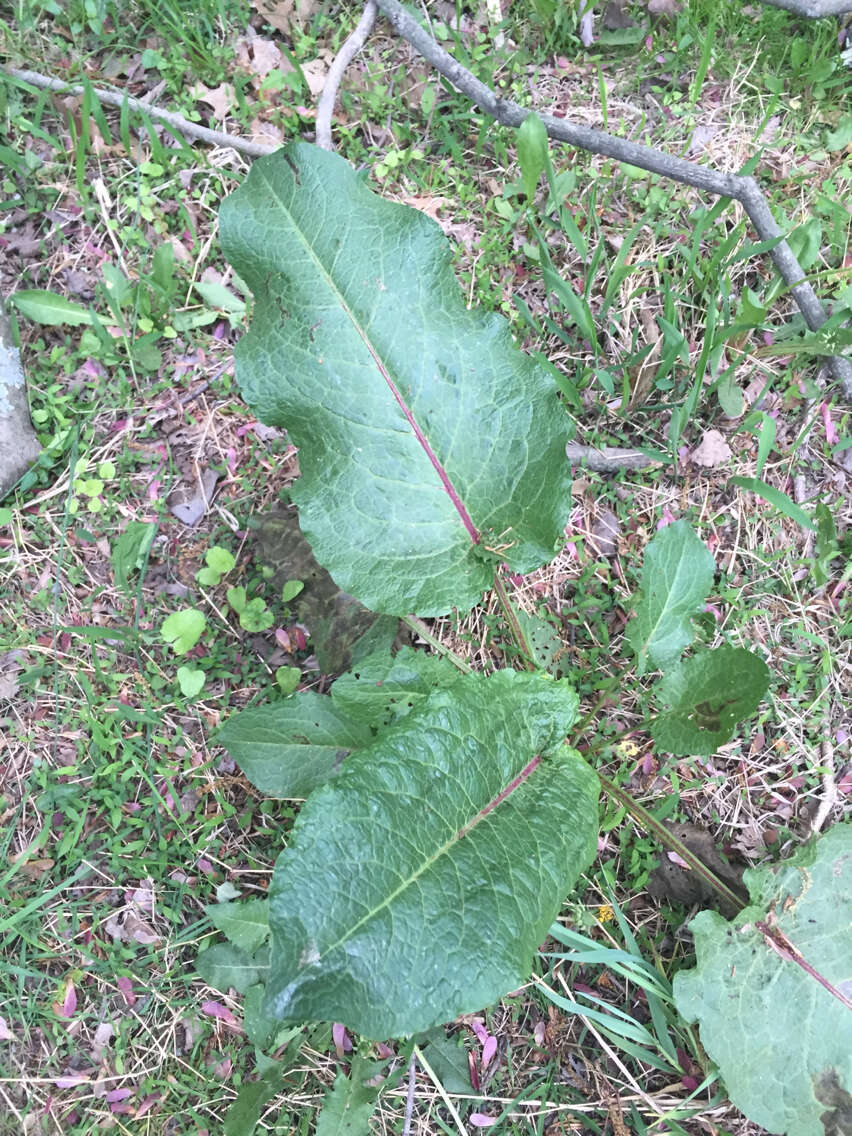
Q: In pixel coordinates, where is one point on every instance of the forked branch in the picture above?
(743, 189)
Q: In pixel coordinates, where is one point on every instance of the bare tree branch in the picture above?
(348, 50)
(743, 189)
(119, 98)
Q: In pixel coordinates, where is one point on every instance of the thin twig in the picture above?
(349, 49)
(118, 99)
(650, 822)
(743, 189)
(409, 1098)
(420, 628)
(829, 786)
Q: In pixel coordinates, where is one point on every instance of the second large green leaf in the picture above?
(772, 990)
(418, 884)
(428, 444)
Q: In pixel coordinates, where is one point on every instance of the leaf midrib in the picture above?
(649, 637)
(419, 433)
(460, 834)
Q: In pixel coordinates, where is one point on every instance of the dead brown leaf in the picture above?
(259, 56)
(222, 98)
(678, 884)
(427, 204)
(284, 15)
(265, 133)
(712, 450)
(315, 73)
(642, 377)
(604, 533)
(8, 685)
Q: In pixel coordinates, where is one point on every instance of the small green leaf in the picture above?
(751, 310)
(827, 547)
(91, 487)
(130, 550)
(730, 396)
(288, 748)
(236, 597)
(382, 688)
(677, 575)
(189, 320)
(782, 1041)
(244, 924)
(706, 696)
(256, 616)
(350, 1103)
(224, 967)
(288, 678)
(543, 640)
(532, 152)
(218, 296)
(5, 517)
(840, 138)
(49, 308)
(183, 629)
(207, 577)
(191, 681)
(106, 470)
(258, 1025)
(219, 559)
(243, 1117)
(291, 589)
(163, 267)
(449, 1060)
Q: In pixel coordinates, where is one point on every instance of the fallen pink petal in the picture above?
(340, 1037)
(217, 1010)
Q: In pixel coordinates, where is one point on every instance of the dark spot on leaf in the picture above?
(837, 1119)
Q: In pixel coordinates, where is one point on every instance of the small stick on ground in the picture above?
(607, 459)
(829, 786)
(349, 49)
(117, 99)
(409, 1099)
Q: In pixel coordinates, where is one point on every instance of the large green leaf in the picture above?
(428, 443)
(288, 748)
(706, 696)
(383, 688)
(245, 923)
(223, 966)
(418, 884)
(781, 1039)
(677, 575)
